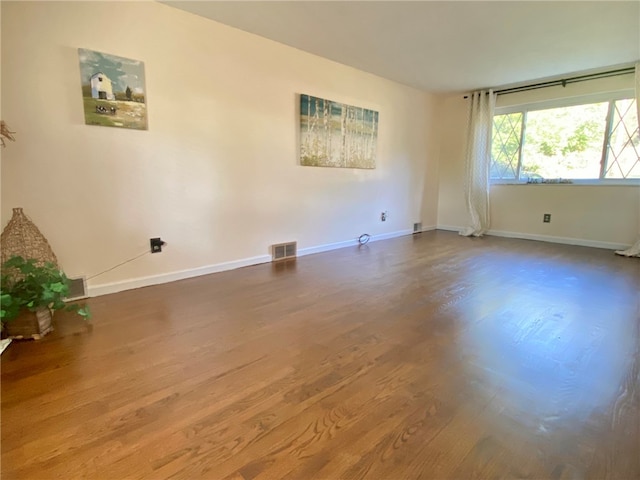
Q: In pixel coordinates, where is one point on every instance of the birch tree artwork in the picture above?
(333, 134)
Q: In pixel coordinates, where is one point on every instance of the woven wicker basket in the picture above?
(21, 237)
(29, 324)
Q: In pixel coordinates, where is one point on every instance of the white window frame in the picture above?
(560, 103)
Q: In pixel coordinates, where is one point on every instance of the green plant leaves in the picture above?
(83, 311)
(27, 285)
(58, 287)
(8, 307)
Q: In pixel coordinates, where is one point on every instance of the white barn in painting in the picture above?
(101, 87)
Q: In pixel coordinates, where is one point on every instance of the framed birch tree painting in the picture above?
(113, 92)
(334, 134)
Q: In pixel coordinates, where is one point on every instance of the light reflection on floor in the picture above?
(553, 340)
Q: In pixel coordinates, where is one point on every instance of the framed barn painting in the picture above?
(113, 90)
(333, 134)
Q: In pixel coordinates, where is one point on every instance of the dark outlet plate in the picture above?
(546, 218)
(156, 245)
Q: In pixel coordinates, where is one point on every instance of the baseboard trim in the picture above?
(448, 228)
(115, 287)
(546, 238)
(564, 240)
(350, 243)
(107, 288)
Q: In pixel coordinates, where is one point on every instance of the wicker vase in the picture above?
(29, 324)
(21, 237)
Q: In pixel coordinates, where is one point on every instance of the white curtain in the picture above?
(634, 251)
(478, 162)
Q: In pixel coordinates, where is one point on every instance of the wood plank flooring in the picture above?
(429, 356)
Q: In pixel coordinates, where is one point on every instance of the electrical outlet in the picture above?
(156, 244)
(383, 217)
(546, 218)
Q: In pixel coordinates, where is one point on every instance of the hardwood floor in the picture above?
(429, 356)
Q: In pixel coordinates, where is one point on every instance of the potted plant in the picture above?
(29, 293)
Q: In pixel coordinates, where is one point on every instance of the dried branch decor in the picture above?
(5, 133)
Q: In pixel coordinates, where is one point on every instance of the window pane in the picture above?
(505, 145)
(623, 149)
(564, 142)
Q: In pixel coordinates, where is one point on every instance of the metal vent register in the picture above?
(282, 251)
(77, 288)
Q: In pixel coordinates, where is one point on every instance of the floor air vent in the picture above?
(282, 251)
(77, 288)
(417, 227)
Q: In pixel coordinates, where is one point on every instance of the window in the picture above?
(591, 141)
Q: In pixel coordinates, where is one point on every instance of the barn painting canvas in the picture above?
(112, 90)
(333, 134)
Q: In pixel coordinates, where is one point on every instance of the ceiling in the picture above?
(445, 46)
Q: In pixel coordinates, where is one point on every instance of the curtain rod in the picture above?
(564, 81)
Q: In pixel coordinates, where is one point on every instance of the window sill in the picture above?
(598, 183)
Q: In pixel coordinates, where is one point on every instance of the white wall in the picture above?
(596, 215)
(216, 174)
